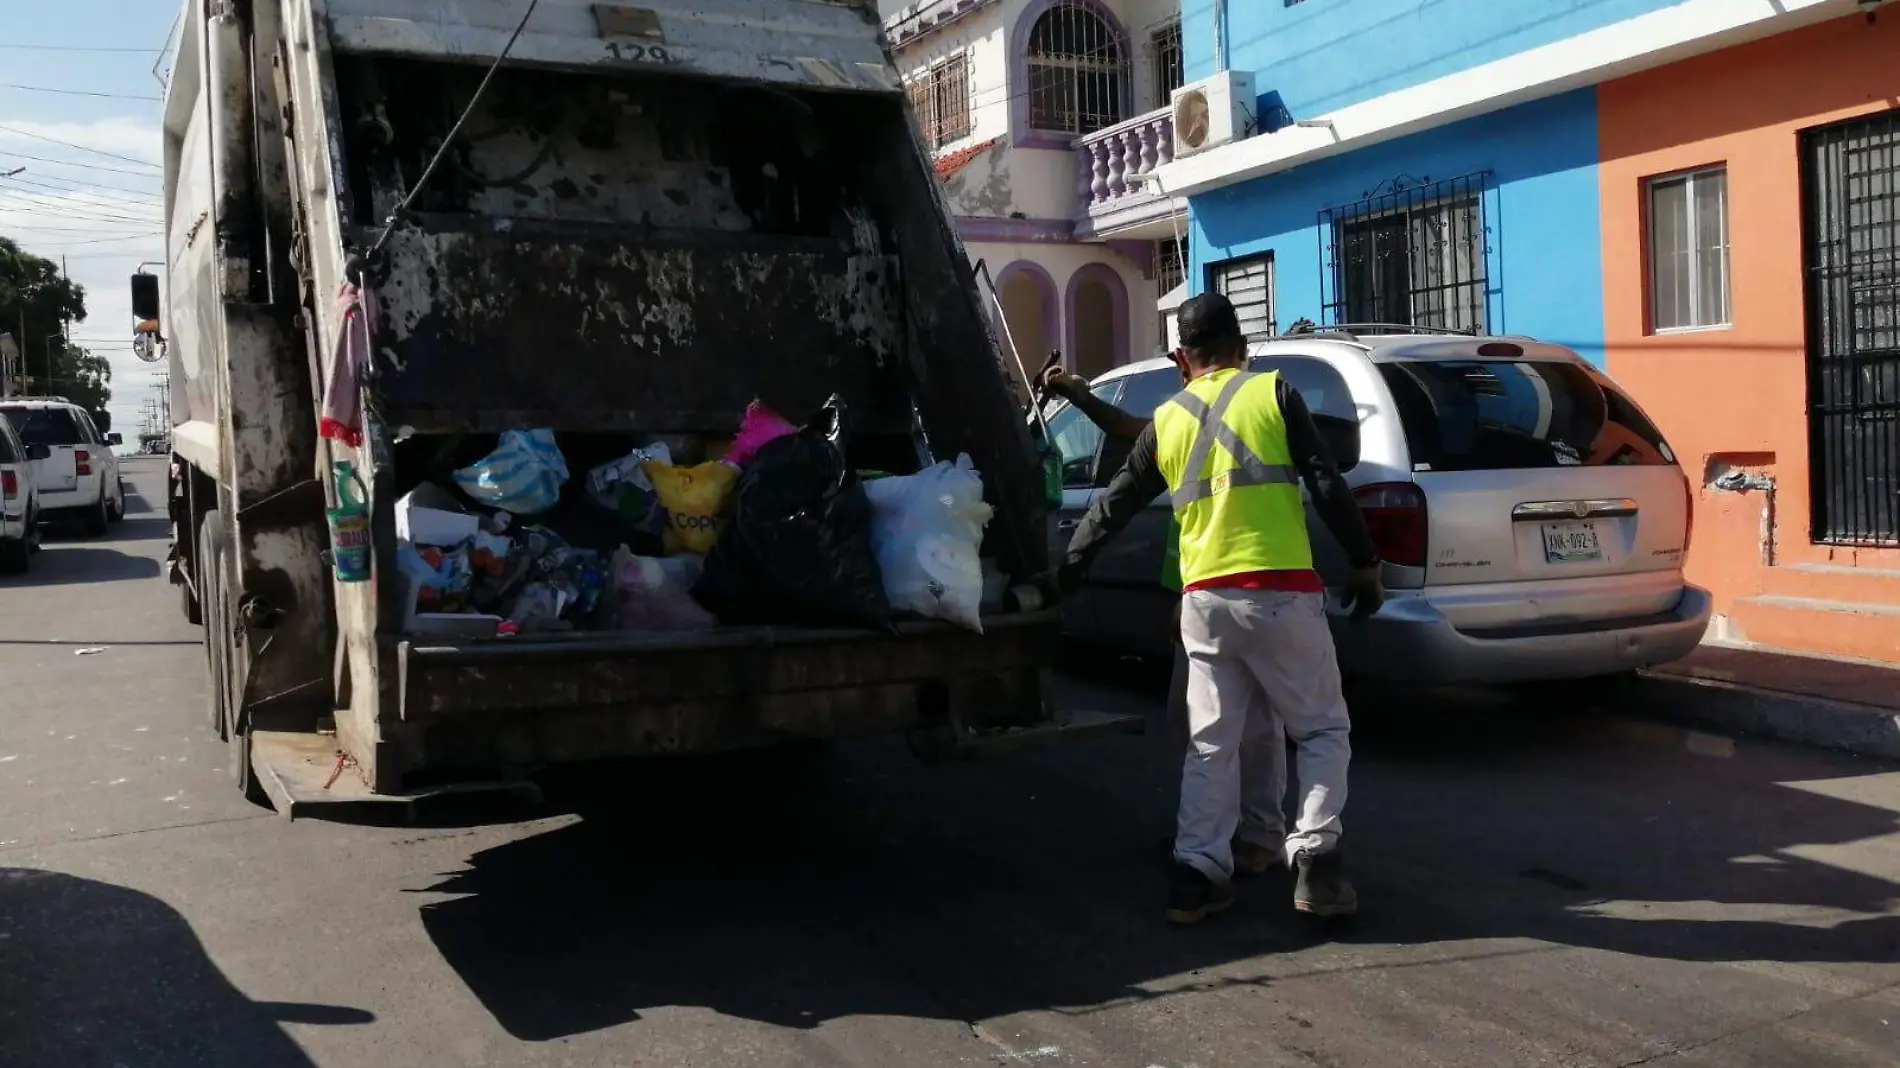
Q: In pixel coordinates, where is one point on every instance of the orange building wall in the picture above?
(1738, 394)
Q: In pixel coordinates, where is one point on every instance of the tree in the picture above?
(36, 302)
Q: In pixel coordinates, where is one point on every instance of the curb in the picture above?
(1866, 730)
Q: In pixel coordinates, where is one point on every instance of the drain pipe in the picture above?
(1220, 35)
(1742, 482)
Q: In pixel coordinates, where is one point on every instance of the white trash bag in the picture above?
(925, 531)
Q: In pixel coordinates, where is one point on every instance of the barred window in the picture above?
(1688, 251)
(1170, 264)
(1248, 285)
(941, 98)
(1166, 61)
(1411, 254)
(1078, 71)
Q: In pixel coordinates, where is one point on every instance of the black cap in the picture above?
(1206, 321)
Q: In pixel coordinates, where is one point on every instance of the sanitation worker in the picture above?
(1230, 451)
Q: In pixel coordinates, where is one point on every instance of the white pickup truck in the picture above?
(78, 477)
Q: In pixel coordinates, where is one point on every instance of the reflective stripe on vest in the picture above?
(1249, 469)
(1238, 507)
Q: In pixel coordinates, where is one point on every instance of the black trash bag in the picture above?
(796, 546)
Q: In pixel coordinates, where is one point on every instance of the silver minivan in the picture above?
(1532, 520)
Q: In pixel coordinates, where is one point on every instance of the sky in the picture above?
(96, 204)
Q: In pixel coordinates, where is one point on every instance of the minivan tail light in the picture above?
(1395, 517)
(82, 462)
(9, 484)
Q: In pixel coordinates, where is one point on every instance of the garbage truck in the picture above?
(618, 222)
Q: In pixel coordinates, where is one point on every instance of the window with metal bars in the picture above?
(1170, 264)
(1688, 251)
(1078, 71)
(1166, 62)
(1850, 189)
(941, 97)
(1248, 285)
(1411, 253)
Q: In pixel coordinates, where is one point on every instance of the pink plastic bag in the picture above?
(761, 426)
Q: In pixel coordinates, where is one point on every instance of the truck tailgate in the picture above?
(584, 696)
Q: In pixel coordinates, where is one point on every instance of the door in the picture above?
(1134, 611)
(1336, 416)
(54, 428)
(1851, 200)
(1080, 443)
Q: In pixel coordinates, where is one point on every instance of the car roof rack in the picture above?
(49, 400)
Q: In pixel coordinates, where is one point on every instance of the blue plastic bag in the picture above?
(523, 475)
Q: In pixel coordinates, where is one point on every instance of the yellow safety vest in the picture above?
(1221, 444)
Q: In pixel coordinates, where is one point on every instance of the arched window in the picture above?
(1078, 71)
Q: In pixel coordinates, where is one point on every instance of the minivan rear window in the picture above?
(1478, 415)
(43, 426)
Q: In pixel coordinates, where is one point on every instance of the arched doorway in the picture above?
(1097, 312)
(1028, 295)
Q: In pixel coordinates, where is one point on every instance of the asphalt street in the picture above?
(1539, 887)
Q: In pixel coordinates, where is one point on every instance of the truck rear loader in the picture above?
(643, 217)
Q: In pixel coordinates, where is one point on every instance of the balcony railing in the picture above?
(1112, 163)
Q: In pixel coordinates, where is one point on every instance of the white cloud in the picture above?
(98, 223)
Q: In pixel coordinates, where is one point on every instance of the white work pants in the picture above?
(1256, 657)
(1262, 761)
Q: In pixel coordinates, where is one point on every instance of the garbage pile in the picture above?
(779, 530)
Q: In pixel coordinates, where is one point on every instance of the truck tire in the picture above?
(207, 571)
(220, 624)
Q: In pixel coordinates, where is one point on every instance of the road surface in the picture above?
(1539, 890)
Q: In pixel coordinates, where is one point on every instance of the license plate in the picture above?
(1571, 543)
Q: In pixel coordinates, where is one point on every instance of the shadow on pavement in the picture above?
(134, 528)
(71, 563)
(874, 886)
(97, 974)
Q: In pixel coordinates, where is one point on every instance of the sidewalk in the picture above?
(1838, 704)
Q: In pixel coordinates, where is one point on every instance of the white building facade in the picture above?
(1046, 118)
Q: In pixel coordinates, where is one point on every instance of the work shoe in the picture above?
(1251, 859)
(1322, 889)
(1193, 897)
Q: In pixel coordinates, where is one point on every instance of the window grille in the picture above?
(1078, 72)
(1851, 199)
(941, 98)
(1166, 62)
(1411, 253)
(1248, 285)
(1688, 250)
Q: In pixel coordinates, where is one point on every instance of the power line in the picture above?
(68, 144)
(70, 48)
(56, 210)
(82, 166)
(77, 92)
(85, 195)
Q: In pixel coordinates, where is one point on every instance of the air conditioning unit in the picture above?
(1213, 112)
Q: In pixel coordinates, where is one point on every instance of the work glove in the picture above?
(1365, 591)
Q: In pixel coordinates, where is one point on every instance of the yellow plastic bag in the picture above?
(695, 500)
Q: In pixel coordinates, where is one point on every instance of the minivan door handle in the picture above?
(1068, 524)
(1544, 511)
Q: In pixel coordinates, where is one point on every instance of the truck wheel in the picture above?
(116, 509)
(210, 562)
(98, 518)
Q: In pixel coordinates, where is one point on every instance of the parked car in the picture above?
(1532, 521)
(19, 500)
(78, 478)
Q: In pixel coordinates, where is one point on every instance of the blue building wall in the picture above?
(1544, 264)
(1322, 55)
